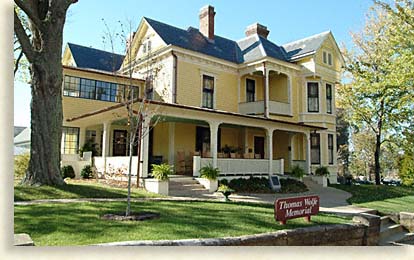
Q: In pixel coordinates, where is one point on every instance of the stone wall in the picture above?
(407, 220)
(364, 231)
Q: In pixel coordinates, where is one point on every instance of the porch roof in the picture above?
(115, 111)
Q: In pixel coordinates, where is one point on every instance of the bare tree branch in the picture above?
(16, 65)
(30, 12)
(23, 39)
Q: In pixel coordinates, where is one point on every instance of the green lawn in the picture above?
(80, 223)
(76, 189)
(385, 199)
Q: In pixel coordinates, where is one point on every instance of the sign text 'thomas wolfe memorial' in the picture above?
(288, 208)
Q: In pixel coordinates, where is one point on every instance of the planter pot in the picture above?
(321, 180)
(232, 155)
(156, 186)
(210, 185)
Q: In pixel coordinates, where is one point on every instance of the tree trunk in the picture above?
(377, 160)
(46, 124)
(46, 105)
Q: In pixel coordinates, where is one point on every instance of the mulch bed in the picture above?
(139, 216)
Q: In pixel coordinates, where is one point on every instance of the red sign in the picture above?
(288, 208)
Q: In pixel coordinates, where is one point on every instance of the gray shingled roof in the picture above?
(304, 47)
(90, 58)
(247, 49)
(192, 39)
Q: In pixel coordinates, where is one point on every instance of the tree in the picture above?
(140, 114)
(380, 95)
(43, 51)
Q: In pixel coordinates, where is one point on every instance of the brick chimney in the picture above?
(257, 28)
(207, 21)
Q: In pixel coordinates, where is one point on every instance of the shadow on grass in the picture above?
(370, 193)
(25, 193)
(80, 223)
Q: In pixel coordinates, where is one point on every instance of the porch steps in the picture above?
(392, 233)
(185, 186)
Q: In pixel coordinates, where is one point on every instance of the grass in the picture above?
(80, 224)
(385, 199)
(76, 189)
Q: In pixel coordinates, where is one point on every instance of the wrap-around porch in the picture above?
(237, 146)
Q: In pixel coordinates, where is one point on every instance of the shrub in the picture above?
(253, 184)
(67, 172)
(224, 181)
(407, 170)
(86, 172)
(209, 172)
(161, 172)
(292, 186)
(322, 171)
(21, 164)
(297, 172)
(226, 190)
(89, 146)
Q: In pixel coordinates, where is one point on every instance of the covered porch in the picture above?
(238, 145)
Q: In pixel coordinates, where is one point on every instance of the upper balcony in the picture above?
(265, 94)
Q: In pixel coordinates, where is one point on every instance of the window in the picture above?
(208, 91)
(313, 97)
(149, 46)
(95, 89)
(327, 58)
(329, 98)
(330, 149)
(70, 140)
(315, 148)
(144, 47)
(71, 86)
(250, 90)
(149, 88)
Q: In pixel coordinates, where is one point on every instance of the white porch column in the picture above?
(144, 150)
(289, 81)
(291, 150)
(171, 143)
(269, 139)
(308, 154)
(246, 139)
(266, 110)
(213, 141)
(105, 142)
(82, 136)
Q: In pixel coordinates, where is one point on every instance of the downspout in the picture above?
(175, 68)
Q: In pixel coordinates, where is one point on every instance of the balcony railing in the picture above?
(257, 107)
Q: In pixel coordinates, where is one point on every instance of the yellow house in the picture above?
(248, 107)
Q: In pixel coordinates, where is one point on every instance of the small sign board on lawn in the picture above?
(288, 208)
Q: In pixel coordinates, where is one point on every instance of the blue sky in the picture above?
(286, 20)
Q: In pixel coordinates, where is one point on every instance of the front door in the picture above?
(259, 146)
(119, 147)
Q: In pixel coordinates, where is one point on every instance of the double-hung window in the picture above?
(329, 98)
(315, 148)
(330, 149)
(149, 88)
(250, 90)
(70, 140)
(313, 97)
(208, 91)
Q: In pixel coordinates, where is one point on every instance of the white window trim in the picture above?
(319, 96)
(255, 88)
(327, 58)
(214, 76)
(332, 99)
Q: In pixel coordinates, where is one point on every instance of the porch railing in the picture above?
(229, 167)
(116, 165)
